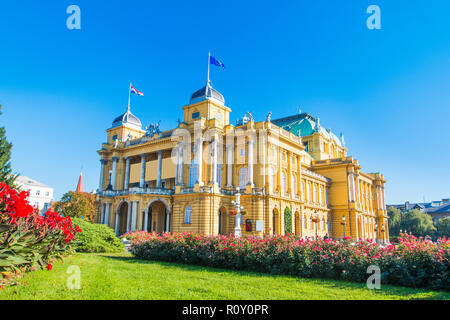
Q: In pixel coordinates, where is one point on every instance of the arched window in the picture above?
(187, 214)
(303, 189)
(315, 193)
(193, 173)
(308, 192)
(283, 182)
(271, 179)
(292, 184)
(320, 195)
(243, 177)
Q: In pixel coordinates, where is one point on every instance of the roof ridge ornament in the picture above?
(317, 124)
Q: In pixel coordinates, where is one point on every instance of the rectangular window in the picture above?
(38, 192)
(196, 115)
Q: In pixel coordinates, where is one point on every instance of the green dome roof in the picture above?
(303, 125)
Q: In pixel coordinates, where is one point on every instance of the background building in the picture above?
(41, 195)
(293, 174)
(436, 209)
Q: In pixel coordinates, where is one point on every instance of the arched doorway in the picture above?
(158, 216)
(275, 225)
(223, 221)
(148, 224)
(297, 224)
(122, 211)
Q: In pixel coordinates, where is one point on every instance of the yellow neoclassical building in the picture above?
(292, 175)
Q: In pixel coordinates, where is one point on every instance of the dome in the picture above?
(204, 94)
(129, 119)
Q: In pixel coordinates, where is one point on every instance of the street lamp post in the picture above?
(317, 222)
(344, 224)
(238, 207)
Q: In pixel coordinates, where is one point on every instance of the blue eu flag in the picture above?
(216, 62)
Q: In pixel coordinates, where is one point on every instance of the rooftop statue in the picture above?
(152, 129)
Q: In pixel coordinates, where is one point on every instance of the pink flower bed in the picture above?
(413, 262)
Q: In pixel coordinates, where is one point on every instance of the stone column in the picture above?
(116, 228)
(379, 197)
(214, 161)
(102, 214)
(159, 170)
(351, 186)
(179, 171)
(102, 174)
(127, 173)
(358, 190)
(289, 177)
(167, 221)
(128, 216)
(146, 220)
(200, 160)
(134, 205)
(114, 172)
(108, 207)
(142, 180)
(230, 161)
(250, 162)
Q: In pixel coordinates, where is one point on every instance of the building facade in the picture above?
(293, 175)
(41, 196)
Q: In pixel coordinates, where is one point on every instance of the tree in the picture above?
(77, 205)
(443, 227)
(418, 223)
(395, 217)
(287, 221)
(5, 158)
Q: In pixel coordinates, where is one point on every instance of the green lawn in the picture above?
(119, 276)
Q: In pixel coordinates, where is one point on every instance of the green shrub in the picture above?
(96, 238)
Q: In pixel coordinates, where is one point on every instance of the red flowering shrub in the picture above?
(27, 238)
(414, 262)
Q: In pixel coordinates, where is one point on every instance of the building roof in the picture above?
(442, 206)
(207, 94)
(304, 124)
(24, 180)
(128, 119)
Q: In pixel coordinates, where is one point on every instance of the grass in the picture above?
(120, 276)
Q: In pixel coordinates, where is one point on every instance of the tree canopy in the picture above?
(443, 227)
(77, 205)
(6, 174)
(413, 221)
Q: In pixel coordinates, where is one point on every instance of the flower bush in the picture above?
(413, 262)
(27, 239)
(137, 236)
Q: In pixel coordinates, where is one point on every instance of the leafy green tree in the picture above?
(287, 221)
(6, 174)
(77, 205)
(395, 217)
(418, 223)
(443, 227)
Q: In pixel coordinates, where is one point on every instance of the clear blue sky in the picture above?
(387, 90)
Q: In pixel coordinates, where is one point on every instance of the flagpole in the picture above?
(209, 64)
(129, 97)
